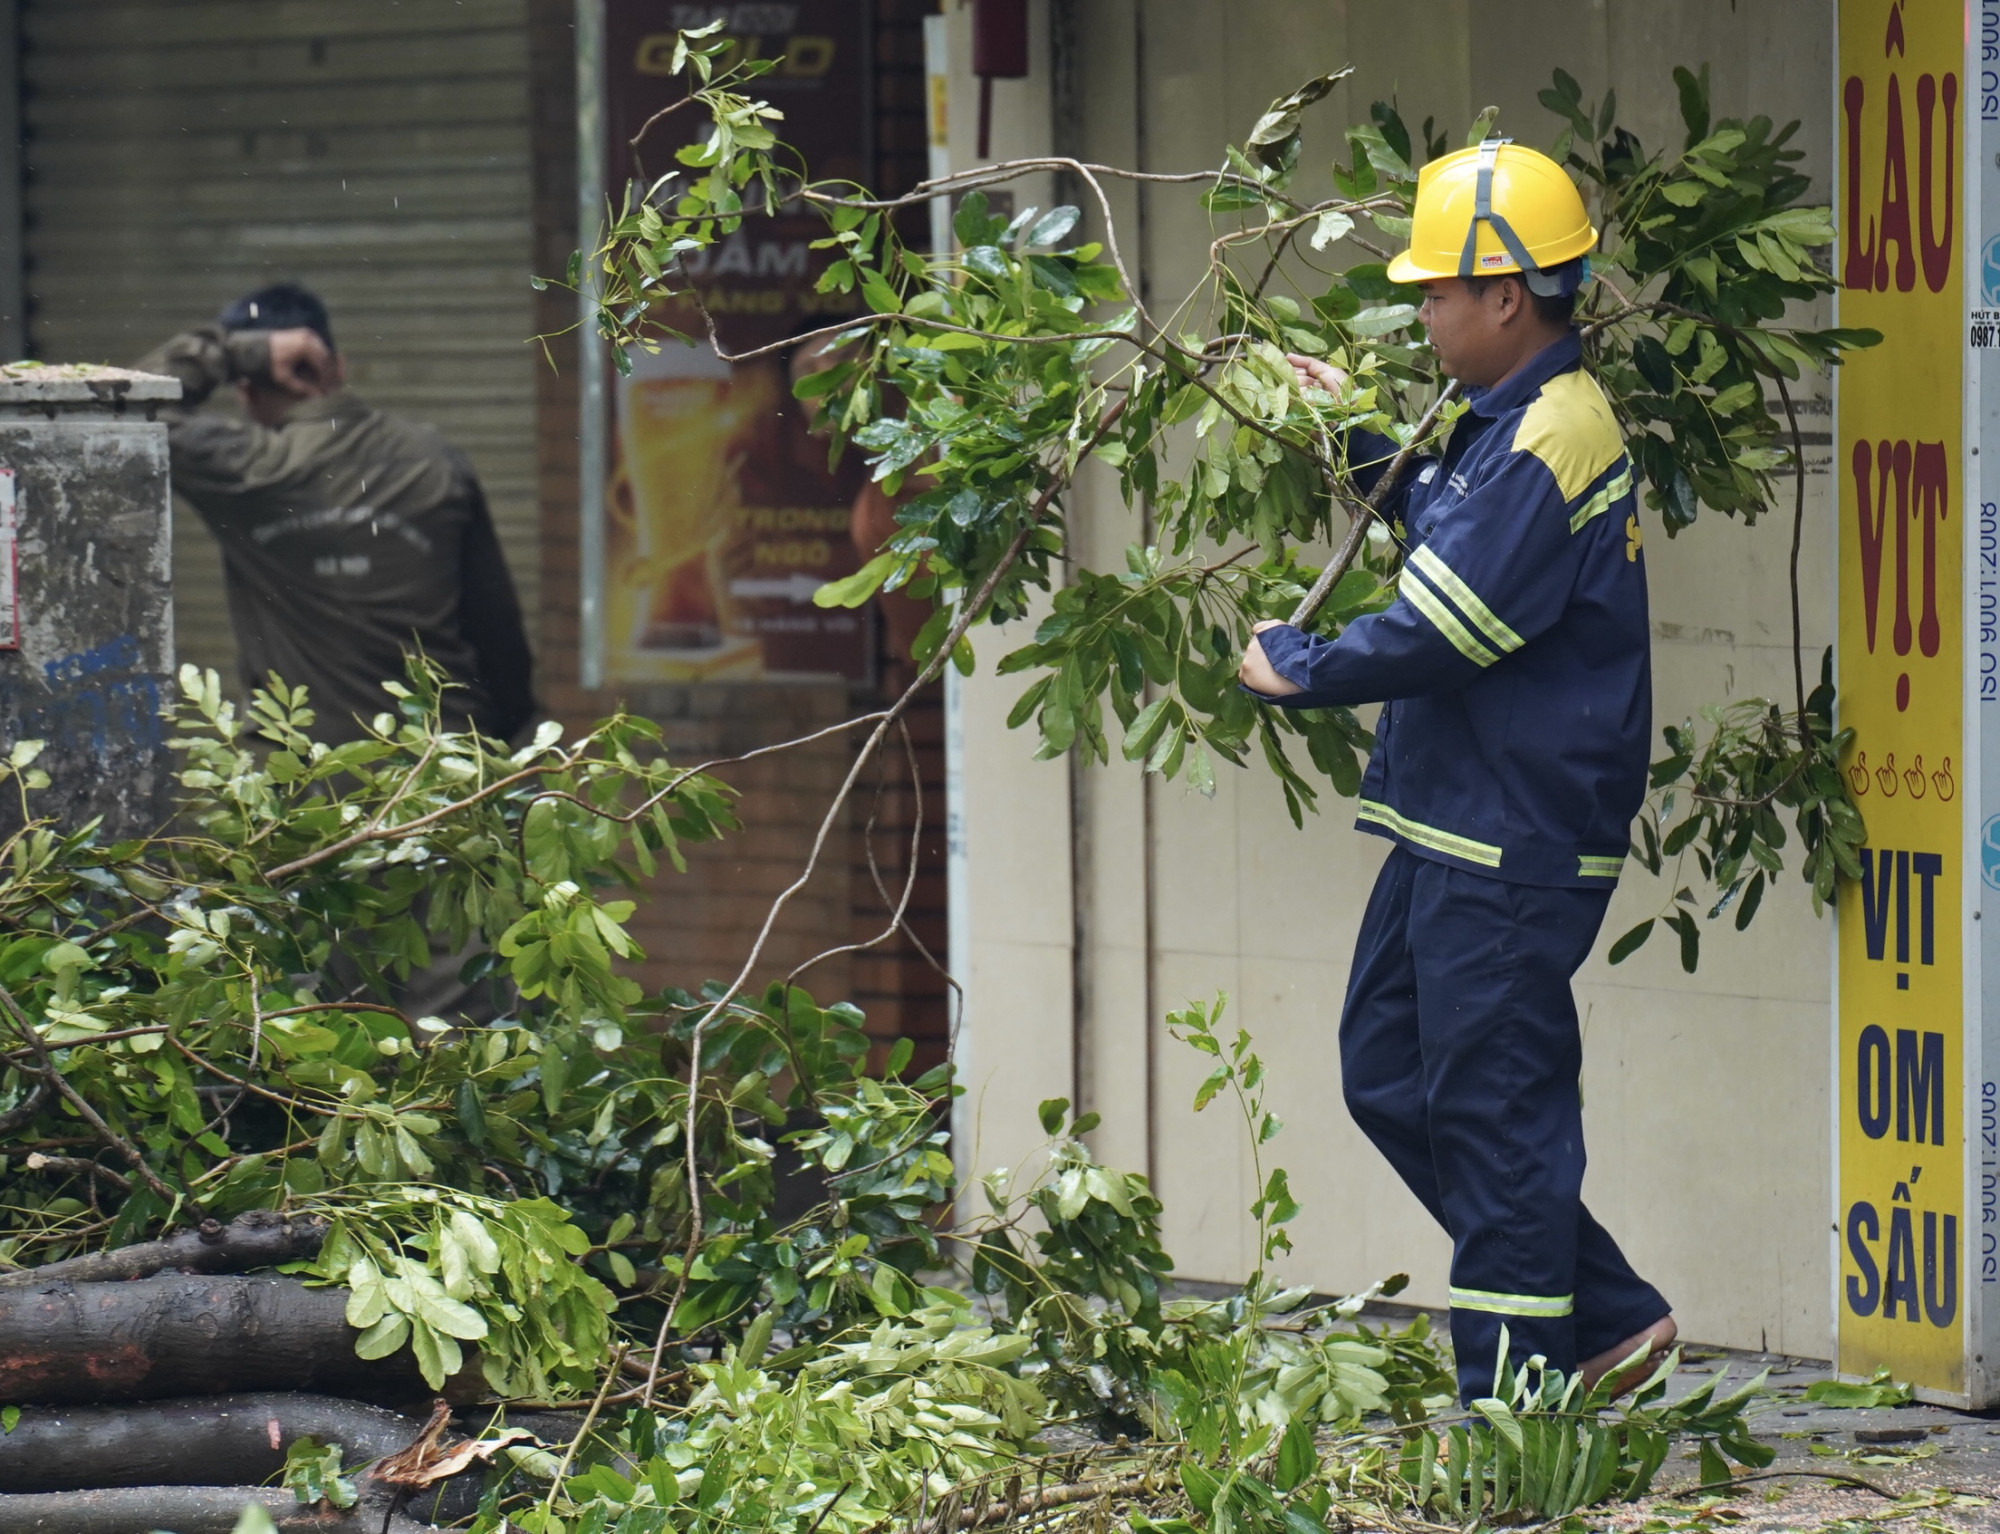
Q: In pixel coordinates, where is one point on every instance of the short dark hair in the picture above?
(281, 306)
(1550, 309)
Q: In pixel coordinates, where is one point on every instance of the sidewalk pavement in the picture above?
(1839, 1470)
(1926, 1467)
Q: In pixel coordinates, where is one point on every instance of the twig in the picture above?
(1845, 1477)
(583, 1432)
(970, 609)
(25, 1110)
(338, 1006)
(639, 165)
(75, 1166)
(88, 1114)
(646, 805)
(250, 1086)
(1014, 170)
(107, 1037)
(374, 834)
(1350, 546)
(897, 906)
(832, 1503)
(1051, 1497)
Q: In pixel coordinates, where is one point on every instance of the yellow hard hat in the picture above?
(1492, 209)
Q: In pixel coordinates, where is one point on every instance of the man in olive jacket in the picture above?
(350, 537)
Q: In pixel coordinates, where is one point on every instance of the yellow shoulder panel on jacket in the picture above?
(1570, 427)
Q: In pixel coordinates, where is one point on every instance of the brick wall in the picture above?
(702, 924)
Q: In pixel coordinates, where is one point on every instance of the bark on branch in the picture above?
(204, 1440)
(191, 1510)
(259, 1239)
(63, 1344)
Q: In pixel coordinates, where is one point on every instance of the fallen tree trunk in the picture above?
(204, 1441)
(193, 1510)
(259, 1239)
(153, 1338)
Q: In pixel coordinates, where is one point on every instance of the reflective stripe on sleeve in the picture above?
(1430, 836)
(1588, 867)
(1598, 504)
(1425, 601)
(1491, 629)
(1512, 1304)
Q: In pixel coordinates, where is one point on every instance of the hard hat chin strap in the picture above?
(1544, 283)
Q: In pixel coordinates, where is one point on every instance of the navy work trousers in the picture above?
(1460, 1058)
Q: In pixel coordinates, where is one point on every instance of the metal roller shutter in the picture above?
(180, 152)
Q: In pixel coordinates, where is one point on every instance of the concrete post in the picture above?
(86, 651)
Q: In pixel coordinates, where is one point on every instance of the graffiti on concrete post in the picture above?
(99, 702)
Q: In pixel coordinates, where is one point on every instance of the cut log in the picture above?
(203, 1441)
(156, 1338)
(259, 1239)
(192, 1510)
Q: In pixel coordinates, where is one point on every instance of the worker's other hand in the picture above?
(1256, 672)
(1313, 374)
(301, 363)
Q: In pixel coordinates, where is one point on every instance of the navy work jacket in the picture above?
(1514, 661)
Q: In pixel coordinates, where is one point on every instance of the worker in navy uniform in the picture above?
(1510, 758)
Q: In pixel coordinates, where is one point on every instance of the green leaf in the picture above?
(1052, 226)
(1746, 909)
(1144, 731)
(1878, 1390)
(879, 294)
(1216, 1081)
(1684, 923)
(386, 1336)
(1273, 139)
(1714, 1468)
(1694, 102)
(1201, 1487)
(1631, 942)
(1051, 1114)
(1201, 773)
(1331, 226)
(1280, 1207)
(1297, 1456)
(853, 590)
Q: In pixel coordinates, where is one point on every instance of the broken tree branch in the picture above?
(193, 1510)
(160, 1337)
(1350, 546)
(259, 1239)
(199, 1441)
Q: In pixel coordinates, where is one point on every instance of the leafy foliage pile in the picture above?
(580, 1201)
(980, 381)
(191, 1028)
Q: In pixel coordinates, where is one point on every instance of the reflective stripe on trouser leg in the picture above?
(1512, 1304)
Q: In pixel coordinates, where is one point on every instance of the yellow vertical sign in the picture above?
(1901, 1293)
